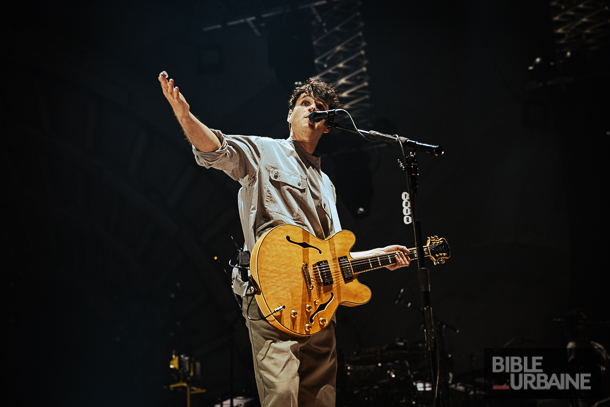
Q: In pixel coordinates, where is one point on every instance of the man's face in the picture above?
(302, 128)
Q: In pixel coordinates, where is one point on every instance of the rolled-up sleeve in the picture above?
(238, 156)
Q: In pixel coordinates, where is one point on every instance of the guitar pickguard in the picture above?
(304, 245)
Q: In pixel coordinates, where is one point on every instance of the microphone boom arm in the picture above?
(377, 137)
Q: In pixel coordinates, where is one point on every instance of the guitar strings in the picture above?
(364, 260)
(337, 275)
(367, 261)
(335, 268)
(336, 272)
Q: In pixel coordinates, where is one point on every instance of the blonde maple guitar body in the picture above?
(301, 280)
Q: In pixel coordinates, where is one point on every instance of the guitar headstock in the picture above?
(438, 249)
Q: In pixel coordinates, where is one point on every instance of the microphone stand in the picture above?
(409, 165)
(445, 370)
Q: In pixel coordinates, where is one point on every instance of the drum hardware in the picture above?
(392, 375)
(382, 376)
(187, 371)
(238, 401)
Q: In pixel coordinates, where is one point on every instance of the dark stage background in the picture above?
(111, 228)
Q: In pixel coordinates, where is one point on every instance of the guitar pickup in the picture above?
(307, 276)
(346, 269)
(326, 276)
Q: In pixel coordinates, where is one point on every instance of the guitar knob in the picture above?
(308, 327)
(308, 308)
(293, 314)
(322, 321)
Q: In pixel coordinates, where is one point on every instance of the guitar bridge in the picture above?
(307, 276)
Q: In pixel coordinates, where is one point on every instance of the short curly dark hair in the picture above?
(318, 90)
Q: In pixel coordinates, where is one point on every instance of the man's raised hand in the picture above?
(174, 97)
(197, 133)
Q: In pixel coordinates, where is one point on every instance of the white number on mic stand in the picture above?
(406, 209)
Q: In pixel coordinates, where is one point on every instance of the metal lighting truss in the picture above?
(580, 25)
(253, 13)
(340, 58)
(338, 41)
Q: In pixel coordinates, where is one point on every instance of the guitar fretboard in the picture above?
(364, 264)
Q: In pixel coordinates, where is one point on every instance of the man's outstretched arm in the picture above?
(197, 133)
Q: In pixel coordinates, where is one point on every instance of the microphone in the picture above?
(318, 115)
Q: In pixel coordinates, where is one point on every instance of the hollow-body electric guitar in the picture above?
(301, 280)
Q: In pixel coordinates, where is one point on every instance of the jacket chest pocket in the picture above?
(286, 192)
(294, 180)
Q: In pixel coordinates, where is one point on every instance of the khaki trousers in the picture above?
(291, 371)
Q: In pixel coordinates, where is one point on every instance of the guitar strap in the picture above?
(330, 192)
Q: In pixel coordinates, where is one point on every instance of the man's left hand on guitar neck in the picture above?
(402, 258)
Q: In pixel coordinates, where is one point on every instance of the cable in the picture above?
(278, 309)
(353, 123)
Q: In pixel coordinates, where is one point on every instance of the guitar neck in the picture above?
(364, 264)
